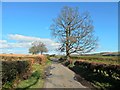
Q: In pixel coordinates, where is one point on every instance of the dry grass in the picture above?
(19, 55)
(41, 59)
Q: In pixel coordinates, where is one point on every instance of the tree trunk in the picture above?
(68, 56)
(67, 45)
(41, 53)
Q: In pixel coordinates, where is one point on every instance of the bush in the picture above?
(10, 69)
(98, 67)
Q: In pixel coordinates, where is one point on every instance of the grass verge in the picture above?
(37, 79)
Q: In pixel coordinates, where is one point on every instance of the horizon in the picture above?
(25, 22)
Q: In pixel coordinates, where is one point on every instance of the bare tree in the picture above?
(38, 47)
(75, 32)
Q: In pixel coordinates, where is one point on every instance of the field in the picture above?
(23, 71)
(13, 57)
(114, 60)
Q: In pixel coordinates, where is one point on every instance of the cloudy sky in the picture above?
(25, 22)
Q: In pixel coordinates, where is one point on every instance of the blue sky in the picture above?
(24, 22)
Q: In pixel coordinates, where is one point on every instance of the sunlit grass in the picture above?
(114, 60)
(36, 80)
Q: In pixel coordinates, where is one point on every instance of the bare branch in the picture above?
(74, 31)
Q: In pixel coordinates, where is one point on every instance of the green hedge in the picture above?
(10, 69)
(111, 70)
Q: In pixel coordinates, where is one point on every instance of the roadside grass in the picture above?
(48, 62)
(7, 85)
(34, 79)
(37, 78)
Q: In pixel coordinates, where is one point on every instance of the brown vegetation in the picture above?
(21, 57)
(18, 66)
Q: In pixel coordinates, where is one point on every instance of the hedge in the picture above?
(111, 70)
(11, 69)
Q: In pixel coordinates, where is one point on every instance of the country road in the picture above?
(61, 77)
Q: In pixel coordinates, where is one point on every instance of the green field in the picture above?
(115, 60)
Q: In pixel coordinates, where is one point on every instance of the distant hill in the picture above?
(110, 54)
(106, 54)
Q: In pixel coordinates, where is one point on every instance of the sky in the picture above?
(25, 22)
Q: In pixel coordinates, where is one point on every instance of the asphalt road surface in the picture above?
(61, 77)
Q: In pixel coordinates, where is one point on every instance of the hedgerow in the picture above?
(110, 70)
(11, 69)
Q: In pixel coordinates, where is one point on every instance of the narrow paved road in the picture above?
(61, 77)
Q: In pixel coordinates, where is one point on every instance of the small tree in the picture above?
(74, 31)
(33, 50)
(38, 47)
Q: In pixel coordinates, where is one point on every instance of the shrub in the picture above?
(10, 69)
(109, 69)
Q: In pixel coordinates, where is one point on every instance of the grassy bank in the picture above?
(34, 79)
(37, 78)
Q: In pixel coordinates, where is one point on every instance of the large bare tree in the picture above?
(74, 31)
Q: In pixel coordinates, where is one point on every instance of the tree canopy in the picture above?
(38, 47)
(74, 31)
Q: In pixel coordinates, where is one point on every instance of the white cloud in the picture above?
(3, 44)
(25, 41)
(22, 38)
(21, 41)
(3, 41)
